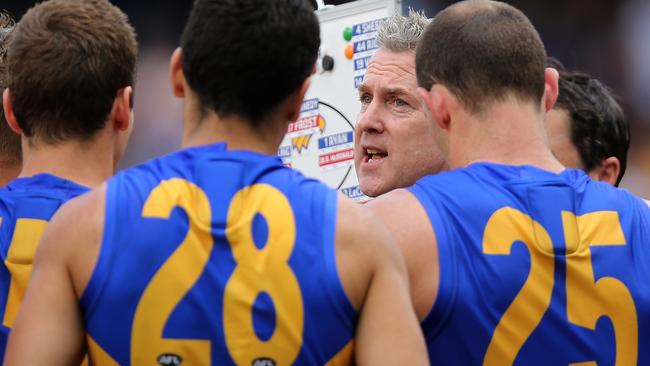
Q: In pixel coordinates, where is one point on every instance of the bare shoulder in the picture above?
(362, 244)
(409, 224)
(74, 235)
(77, 219)
(404, 216)
(356, 223)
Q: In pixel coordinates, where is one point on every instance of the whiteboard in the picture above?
(320, 144)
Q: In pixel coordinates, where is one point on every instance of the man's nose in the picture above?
(372, 119)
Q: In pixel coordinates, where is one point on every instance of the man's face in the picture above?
(558, 127)
(395, 137)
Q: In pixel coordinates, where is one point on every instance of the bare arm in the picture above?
(49, 328)
(375, 277)
(409, 223)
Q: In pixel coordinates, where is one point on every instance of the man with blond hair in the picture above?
(396, 141)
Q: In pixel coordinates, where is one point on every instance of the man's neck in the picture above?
(85, 163)
(509, 132)
(234, 131)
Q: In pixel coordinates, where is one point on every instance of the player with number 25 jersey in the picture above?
(545, 269)
(514, 259)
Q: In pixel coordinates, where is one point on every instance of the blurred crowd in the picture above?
(608, 39)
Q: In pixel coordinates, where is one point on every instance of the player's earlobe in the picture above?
(294, 101)
(9, 112)
(424, 94)
(551, 87)
(437, 104)
(607, 171)
(123, 108)
(176, 73)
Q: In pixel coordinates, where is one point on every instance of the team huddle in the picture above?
(496, 235)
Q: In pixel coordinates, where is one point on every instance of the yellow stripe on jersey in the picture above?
(19, 261)
(344, 357)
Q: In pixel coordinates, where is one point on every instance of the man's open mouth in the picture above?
(374, 155)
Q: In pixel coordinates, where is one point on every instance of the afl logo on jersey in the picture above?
(169, 359)
(263, 361)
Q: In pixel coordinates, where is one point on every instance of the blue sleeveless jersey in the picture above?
(26, 205)
(216, 257)
(537, 268)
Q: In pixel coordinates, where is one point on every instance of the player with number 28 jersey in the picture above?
(267, 234)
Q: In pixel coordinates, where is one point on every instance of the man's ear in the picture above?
(551, 88)
(607, 171)
(438, 100)
(294, 101)
(9, 112)
(176, 73)
(122, 108)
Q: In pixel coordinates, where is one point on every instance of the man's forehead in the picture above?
(391, 70)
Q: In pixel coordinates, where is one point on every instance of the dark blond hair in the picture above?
(67, 61)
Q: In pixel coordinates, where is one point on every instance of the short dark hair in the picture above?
(67, 61)
(599, 128)
(10, 151)
(482, 51)
(243, 57)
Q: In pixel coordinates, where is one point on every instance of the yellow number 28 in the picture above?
(587, 300)
(257, 271)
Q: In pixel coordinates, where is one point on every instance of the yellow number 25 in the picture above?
(587, 299)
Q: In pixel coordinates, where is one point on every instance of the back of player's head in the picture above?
(67, 61)
(244, 57)
(401, 33)
(599, 128)
(482, 51)
(10, 152)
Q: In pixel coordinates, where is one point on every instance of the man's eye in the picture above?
(365, 99)
(399, 103)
